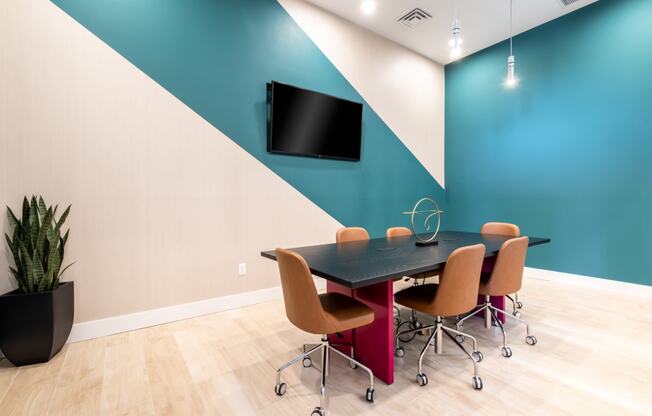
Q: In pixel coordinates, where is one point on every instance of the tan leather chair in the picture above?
(501, 228)
(456, 294)
(326, 313)
(398, 232)
(506, 277)
(348, 234)
(512, 230)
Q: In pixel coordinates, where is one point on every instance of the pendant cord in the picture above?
(511, 12)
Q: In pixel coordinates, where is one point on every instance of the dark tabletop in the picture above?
(362, 263)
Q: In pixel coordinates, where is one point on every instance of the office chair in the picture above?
(506, 277)
(456, 294)
(512, 230)
(326, 313)
(348, 234)
(413, 322)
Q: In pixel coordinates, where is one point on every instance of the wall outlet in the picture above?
(242, 269)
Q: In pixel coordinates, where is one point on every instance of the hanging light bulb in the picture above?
(511, 80)
(455, 41)
(511, 77)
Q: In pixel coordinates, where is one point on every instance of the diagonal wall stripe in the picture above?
(404, 88)
(216, 58)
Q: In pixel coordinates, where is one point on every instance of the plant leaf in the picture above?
(25, 214)
(29, 266)
(39, 273)
(53, 236)
(46, 282)
(62, 219)
(62, 245)
(14, 251)
(19, 280)
(45, 226)
(42, 209)
(64, 269)
(34, 222)
(54, 261)
(13, 221)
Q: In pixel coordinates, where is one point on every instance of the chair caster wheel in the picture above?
(370, 395)
(477, 356)
(399, 352)
(317, 412)
(460, 338)
(307, 362)
(531, 340)
(477, 383)
(279, 389)
(422, 379)
(353, 365)
(519, 304)
(506, 352)
(517, 314)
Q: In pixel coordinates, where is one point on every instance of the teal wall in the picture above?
(217, 56)
(567, 154)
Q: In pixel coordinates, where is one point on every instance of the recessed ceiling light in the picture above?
(368, 7)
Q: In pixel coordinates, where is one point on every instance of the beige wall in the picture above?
(164, 205)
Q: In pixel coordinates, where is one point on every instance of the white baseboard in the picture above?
(614, 286)
(109, 326)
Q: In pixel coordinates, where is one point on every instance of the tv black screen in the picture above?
(308, 123)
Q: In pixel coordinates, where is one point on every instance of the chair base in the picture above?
(491, 313)
(325, 348)
(439, 329)
(516, 305)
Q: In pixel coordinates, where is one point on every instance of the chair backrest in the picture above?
(459, 283)
(398, 232)
(347, 234)
(507, 274)
(501, 228)
(302, 305)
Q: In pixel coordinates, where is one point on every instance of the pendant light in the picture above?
(455, 42)
(511, 75)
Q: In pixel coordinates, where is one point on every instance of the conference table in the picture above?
(366, 270)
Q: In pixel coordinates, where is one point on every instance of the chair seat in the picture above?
(485, 289)
(344, 312)
(418, 298)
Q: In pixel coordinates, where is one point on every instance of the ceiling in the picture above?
(483, 22)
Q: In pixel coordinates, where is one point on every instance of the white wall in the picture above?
(164, 206)
(404, 88)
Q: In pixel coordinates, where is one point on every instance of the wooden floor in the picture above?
(594, 356)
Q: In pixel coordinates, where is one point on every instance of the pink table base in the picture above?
(374, 343)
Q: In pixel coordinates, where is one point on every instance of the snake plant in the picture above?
(37, 246)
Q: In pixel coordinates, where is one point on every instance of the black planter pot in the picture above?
(34, 326)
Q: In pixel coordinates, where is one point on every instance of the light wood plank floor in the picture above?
(594, 356)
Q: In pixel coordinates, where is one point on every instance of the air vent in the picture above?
(568, 2)
(416, 17)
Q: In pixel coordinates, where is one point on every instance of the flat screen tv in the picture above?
(308, 123)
